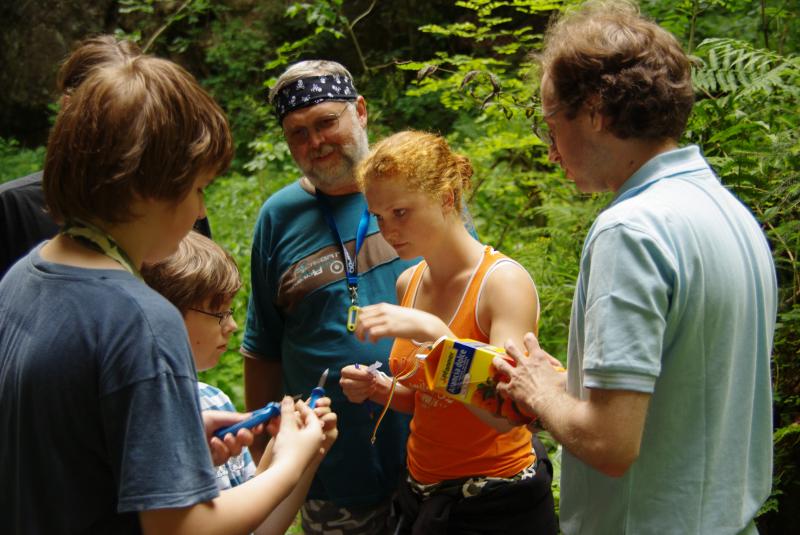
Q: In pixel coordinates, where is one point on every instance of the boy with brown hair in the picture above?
(97, 365)
(24, 221)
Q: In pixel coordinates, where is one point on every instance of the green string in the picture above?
(101, 242)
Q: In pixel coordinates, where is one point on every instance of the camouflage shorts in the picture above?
(324, 517)
(472, 486)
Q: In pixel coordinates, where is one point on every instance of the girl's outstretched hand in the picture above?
(394, 321)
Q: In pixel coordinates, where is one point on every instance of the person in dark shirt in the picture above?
(23, 220)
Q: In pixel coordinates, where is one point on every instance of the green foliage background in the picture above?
(463, 69)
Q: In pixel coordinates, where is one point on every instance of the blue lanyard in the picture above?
(350, 262)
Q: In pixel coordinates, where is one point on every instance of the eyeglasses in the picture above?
(221, 316)
(324, 126)
(541, 129)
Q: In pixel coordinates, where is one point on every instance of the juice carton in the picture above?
(462, 369)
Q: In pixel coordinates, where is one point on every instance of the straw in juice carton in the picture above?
(412, 370)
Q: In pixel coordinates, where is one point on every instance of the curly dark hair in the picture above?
(633, 69)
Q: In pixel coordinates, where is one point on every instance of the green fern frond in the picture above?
(736, 67)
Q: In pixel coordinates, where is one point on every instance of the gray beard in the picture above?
(344, 174)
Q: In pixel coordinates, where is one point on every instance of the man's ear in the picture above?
(361, 111)
(598, 121)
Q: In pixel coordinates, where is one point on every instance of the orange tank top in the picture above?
(447, 441)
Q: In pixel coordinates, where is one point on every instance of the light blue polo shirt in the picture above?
(676, 297)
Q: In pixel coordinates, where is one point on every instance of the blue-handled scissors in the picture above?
(271, 410)
(319, 390)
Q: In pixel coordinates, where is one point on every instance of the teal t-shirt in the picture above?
(676, 297)
(297, 313)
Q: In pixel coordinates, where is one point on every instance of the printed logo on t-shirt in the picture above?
(326, 266)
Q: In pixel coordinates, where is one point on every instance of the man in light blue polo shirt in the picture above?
(665, 417)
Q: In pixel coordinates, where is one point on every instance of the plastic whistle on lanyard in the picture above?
(352, 318)
(271, 410)
(352, 312)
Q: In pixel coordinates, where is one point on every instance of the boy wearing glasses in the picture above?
(201, 280)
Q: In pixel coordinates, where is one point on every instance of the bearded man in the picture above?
(317, 255)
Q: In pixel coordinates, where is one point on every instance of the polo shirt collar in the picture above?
(667, 164)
